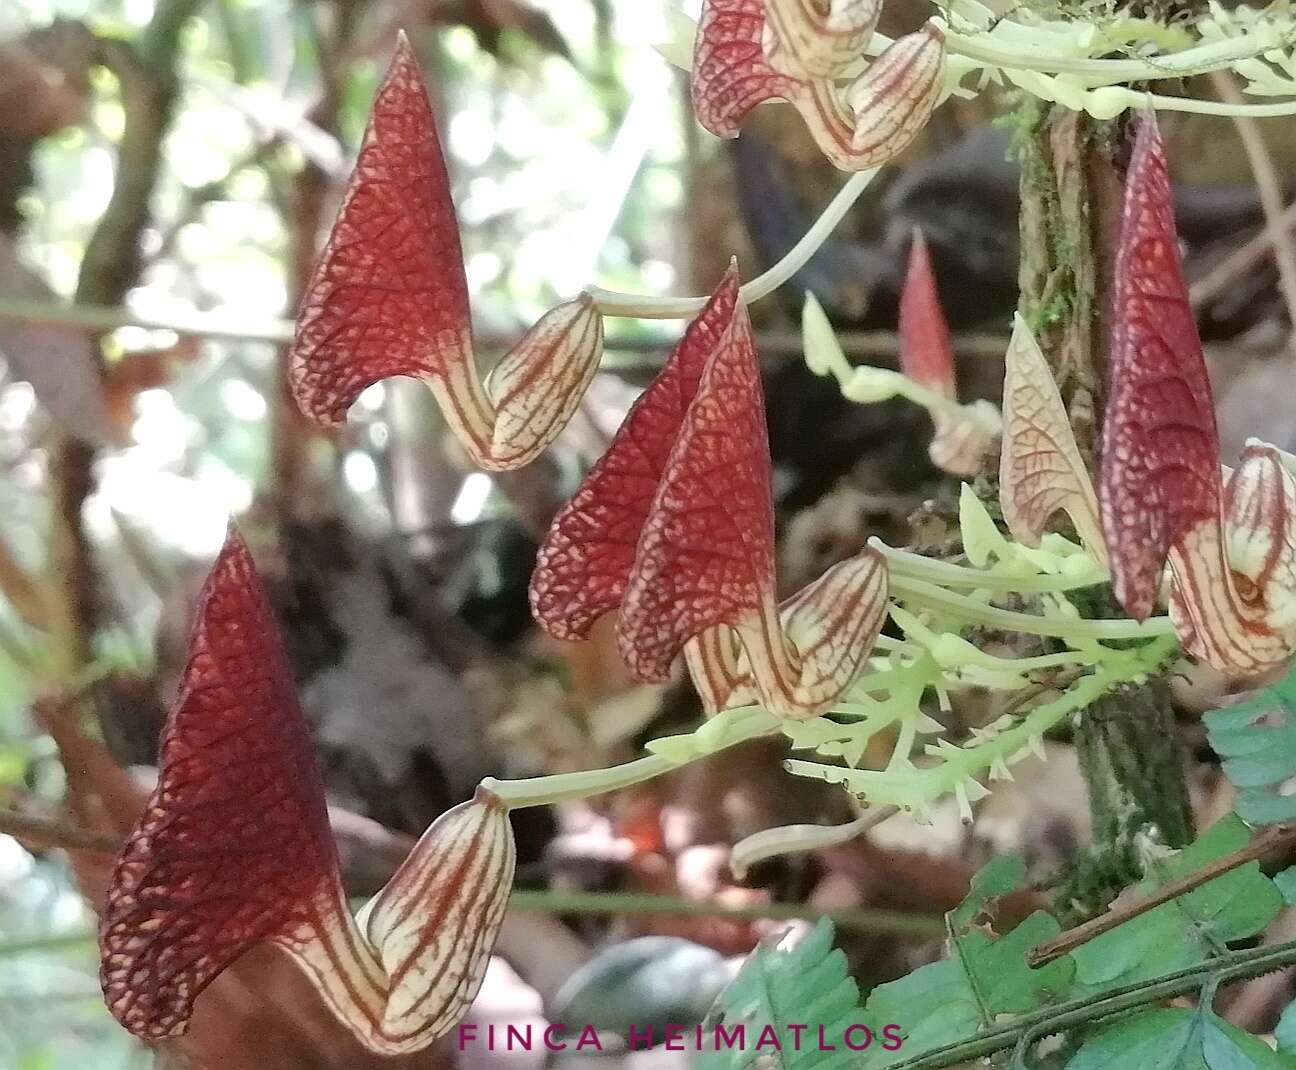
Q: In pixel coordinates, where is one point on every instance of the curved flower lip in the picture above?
(821, 40)
(234, 849)
(749, 51)
(435, 922)
(389, 297)
(895, 96)
(675, 527)
(1161, 495)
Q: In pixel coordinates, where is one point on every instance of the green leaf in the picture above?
(1257, 740)
(1159, 1040)
(808, 984)
(987, 976)
(1286, 885)
(996, 878)
(1174, 1039)
(1189, 929)
(1285, 1032)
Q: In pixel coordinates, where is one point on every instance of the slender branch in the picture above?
(49, 832)
(94, 319)
(1269, 187)
(1236, 966)
(147, 78)
(1241, 260)
(893, 922)
(1267, 841)
(890, 922)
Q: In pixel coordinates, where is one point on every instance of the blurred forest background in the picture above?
(168, 171)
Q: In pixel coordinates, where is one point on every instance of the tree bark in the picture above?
(1130, 754)
(146, 73)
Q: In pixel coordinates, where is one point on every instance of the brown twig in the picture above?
(50, 832)
(1263, 844)
(94, 319)
(146, 73)
(1240, 261)
(1269, 188)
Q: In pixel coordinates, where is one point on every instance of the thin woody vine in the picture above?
(1109, 540)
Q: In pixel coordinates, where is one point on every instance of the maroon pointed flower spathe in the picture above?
(962, 439)
(675, 527)
(1160, 490)
(234, 849)
(389, 296)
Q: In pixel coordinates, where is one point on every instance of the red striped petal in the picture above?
(389, 295)
(894, 97)
(539, 383)
(820, 41)
(435, 922)
(706, 555)
(713, 660)
(731, 74)
(1160, 473)
(234, 844)
(584, 564)
(1260, 522)
(1234, 604)
(833, 624)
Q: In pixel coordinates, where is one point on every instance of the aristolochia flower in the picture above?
(964, 433)
(1231, 552)
(675, 527)
(234, 849)
(390, 297)
(751, 51)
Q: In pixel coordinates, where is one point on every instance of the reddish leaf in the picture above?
(731, 74)
(389, 295)
(584, 564)
(706, 555)
(234, 844)
(964, 436)
(234, 848)
(926, 349)
(1040, 467)
(1160, 473)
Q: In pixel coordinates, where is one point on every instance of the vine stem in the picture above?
(725, 730)
(920, 592)
(894, 922)
(859, 919)
(641, 306)
(1215, 55)
(1235, 966)
(1269, 840)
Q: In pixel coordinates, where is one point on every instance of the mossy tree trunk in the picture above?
(1129, 749)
